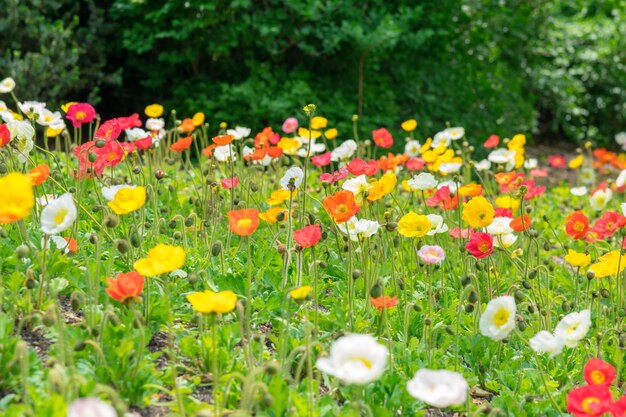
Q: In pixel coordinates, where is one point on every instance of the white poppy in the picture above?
(504, 241)
(436, 225)
(31, 108)
(503, 157)
(600, 199)
(90, 407)
(578, 191)
(357, 185)
(483, 165)
(50, 119)
(412, 148)
(355, 359)
(225, 153)
(58, 215)
(294, 175)
(573, 327)
(7, 85)
(500, 226)
(621, 179)
(546, 342)
(22, 134)
(531, 163)
(423, 181)
(155, 124)
(498, 319)
(344, 151)
(587, 175)
(441, 138)
(135, 133)
(455, 133)
(439, 389)
(450, 167)
(239, 132)
(452, 186)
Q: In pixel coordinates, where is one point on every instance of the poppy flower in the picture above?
(589, 400)
(557, 161)
(153, 110)
(300, 293)
(16, 199)
(5, 135)
(126, 286)
(359, 167)
(577, 225)
(336, 176)
(539, 173)
(209, 302)
(81, 113)
(208, 151)
(460, 233)
(111, 154)
(321, 160)
(480, 245)
(598, 372)
(341, 206)
(608, 224)
(181, 144)
(145, 143)
(384, 302)
(161, 259)
(382, 138)
(230, 182)
(243, 222)
(308, 235)
(520, 223)
(38, 174)
(274, 214)
(187, 126)
(129, 121)
(414, 225)
(72, 245)
(492, 141)
(415, 164)
(109, 130)
(478, 212)
(290, 125)
(222, 140)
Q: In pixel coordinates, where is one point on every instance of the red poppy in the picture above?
(382, 138)
(384, 302)
(336, 176)
(128, 147)
(539, 173)
(181, 144)
(619, 408)
(598, 372)
(5, 135)
(415, 164)
(480, 245)
(80, 113)
(359, 167)
(111, 154)
(577, 225)
(208, 151)
(503, 212)
(492, 141)
(321, 160)
(129, 122)
(308, 235)
(589, 401)
(341, 206)
(109, 130)
(444, 198)
(126, 286)
(230, 182)
(520, 223)
(557, 161)
(608, 224)
(243, 222)
(145, 143)
(38, 174)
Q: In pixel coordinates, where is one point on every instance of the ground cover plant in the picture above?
(161, 264)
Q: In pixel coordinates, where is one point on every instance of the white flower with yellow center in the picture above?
(412, 148)
(293, 177)
(455, 133)
(355, 359)
(358, 186)
(423, 181)
(58, 215)
(438, 388)
(546, 342)
(7, 85)
(600, 199)
(498, 319)
(504, 241)
(573, 327)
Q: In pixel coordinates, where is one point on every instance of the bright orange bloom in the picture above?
(243, 222)
(181, 144)
(521, 223)
(470, 190)
(384, 301)
(72, 244)
(576, 225)
(208, 151)
(38, 174)
(126, 286)
(187, 126)
(222, 140)
(341, 206)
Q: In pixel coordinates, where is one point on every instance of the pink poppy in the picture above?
(230, 182)
(321, 160)
(492, 142)
(80, 113)
(290, 125)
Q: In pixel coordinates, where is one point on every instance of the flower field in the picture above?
(157, 265)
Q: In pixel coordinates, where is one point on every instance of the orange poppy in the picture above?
(181, 144)
(222, 140)
(208, 151)
(521, 223)
(38, 174)
(576, 225)
(126, 286)
(187, 126)
(341, 206)
(384, 302)
(243, 222)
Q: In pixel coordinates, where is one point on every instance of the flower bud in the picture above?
(22, 251)
(356, 274)
(111, 221)
(121, 245)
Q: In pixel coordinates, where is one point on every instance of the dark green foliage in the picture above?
(542, 67)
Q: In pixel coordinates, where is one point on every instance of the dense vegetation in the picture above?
(555, 68)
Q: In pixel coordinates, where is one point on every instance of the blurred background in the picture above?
(554, 69)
